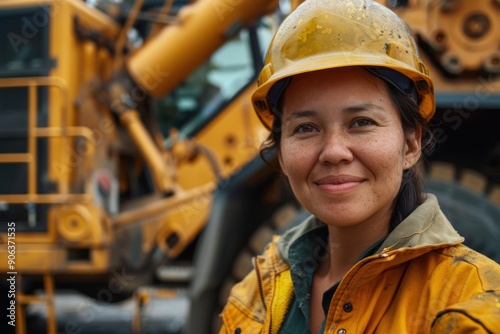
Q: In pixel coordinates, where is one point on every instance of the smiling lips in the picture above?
(339, 183)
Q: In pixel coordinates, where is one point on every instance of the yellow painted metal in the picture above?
(184, 223)
(15, 157)
(39, 258)
(443, 27)
(32, 121)
(23, 300)
(75, 61)
(168, 58)
(123, 36)
(81, 225)
(150, 152)
(234, 137)
(295, 3)
(49, 198)
(31, 83)
(156, 206)
(74, 223)
(81, 67)
(165, 10)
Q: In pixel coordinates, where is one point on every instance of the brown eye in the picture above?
(362, 122)
(304, 128)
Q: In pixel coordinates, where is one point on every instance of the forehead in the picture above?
(339, 85)
(344, 75)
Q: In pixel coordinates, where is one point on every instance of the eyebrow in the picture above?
(350, 109)
(362, 107)
(299, 114)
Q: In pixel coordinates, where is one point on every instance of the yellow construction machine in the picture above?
(129, 149)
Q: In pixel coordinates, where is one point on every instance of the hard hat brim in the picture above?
(268, 77)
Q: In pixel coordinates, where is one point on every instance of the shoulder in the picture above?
(462, 259)
(475, 282)
(458, 266)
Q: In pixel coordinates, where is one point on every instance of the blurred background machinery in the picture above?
(129, 152)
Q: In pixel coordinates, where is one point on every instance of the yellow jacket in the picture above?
(421, 280)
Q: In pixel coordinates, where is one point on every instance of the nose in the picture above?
(336, 149)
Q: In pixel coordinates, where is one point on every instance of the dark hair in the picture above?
(411, 192)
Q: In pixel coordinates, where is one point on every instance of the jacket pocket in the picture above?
(238, 321)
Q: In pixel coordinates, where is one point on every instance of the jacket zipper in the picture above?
(261, 291)
(259, 282)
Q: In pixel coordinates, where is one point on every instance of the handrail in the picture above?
(35, 132)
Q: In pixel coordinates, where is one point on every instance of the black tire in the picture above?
(470, 203)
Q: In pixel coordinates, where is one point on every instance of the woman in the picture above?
(347, 100)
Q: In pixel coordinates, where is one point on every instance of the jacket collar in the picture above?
(426, 226)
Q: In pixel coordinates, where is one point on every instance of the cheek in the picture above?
(295, 160)
(386, 157)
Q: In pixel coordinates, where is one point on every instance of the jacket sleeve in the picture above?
(478, 315)
(479, 309)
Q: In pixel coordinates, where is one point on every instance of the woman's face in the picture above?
(342, 146)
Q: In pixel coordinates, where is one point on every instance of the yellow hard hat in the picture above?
(323, 34)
